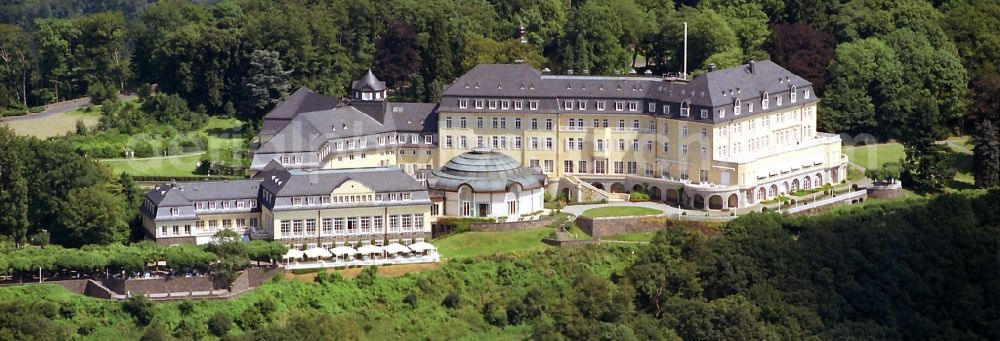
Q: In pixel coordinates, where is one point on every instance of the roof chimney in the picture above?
(752, 62)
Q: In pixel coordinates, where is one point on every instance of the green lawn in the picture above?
(55, 125)
(620, 211)
(175, 165)
(875, 155)
(471, 244)
(225, 141)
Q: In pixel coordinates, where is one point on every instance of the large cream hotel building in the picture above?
(723, 139)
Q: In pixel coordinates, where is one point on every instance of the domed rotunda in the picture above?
(485, 183)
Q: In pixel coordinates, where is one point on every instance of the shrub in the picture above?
(367, 276)
(411, 299)
(219, 323)
(638, 196)
(452, 300)
(37, 109)
(140, 308)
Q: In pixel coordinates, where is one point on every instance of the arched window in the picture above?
(737, 107)
(465, 197)
(685, 110)
(792, 94)
(763, 101)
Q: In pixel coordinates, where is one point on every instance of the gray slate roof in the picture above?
(368, 82)
(287, 183)
(185, 193)
(712, 90)
(485, 171)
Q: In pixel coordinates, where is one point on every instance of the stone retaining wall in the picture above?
(611, 226)
(513, 225)
(892, 191)
(568, 242)
(159, 285)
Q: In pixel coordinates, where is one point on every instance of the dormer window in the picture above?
(568, 105)
(582, 105)
(463, 103)
(792, 94)
(737, 107)
(619, 105)
(175, 211)
(763, 101)
(685, 110)
(533, 105)
(633, 106)
(600, 105)
(750, 107)
(652, 107)
(493, 104)
(805, 94)
(666, 109)
(777, 100)
(505, 104)
(518, 104)
(722, 113)
(479, 104)
(704, 113)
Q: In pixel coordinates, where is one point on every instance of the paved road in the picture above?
(579, 209)
(58, 108)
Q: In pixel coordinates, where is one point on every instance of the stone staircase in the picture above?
(588, 192)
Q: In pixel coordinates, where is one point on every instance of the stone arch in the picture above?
(784, 188)
(617, 188)
(598, 185)
(734, 200)
(637, 188)
(795, 185)
(699, 201)
(715, 202)
(761, 194)
(751, 198)
(806, 182)
(655, 193)
(773, 191)
(564, 193)
(671, 196)
(835, 175)
(819, 179)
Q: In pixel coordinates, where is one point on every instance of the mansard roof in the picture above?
(717, 88)
(184, 193)
(287, 183)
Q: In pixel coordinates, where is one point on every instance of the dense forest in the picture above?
(916, 269)
(915, 71)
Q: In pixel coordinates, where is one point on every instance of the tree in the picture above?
(92, 215)
(859, 19)
(710, 40)
(397, 55)
(862, 97)
(601, 37)
(219, 323)
(802, 50)
(140, 308)
(16, 63)
(986, 154)
(935, 69)
(268, 82)
(14, 220)
(749, 23)
(479, 50)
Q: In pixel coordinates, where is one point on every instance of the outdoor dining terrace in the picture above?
(345, 256)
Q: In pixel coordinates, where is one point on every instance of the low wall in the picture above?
(159, 285)
(611, 226)
(568, 242)
(513, 225)
(891, 191)
(827, 203)
(95, 289)
(257, 276)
